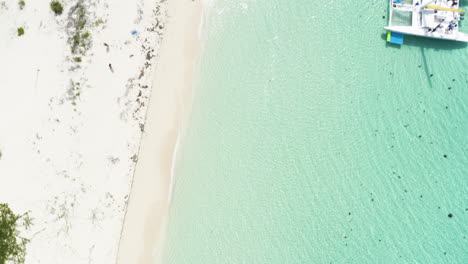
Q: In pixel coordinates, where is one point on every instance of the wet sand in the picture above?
(146, 214)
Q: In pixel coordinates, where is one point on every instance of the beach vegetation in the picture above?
(20, 31)
(80, 40)
(12, 245)
(99, 22)
(21, 4)
(77, 59)
(86, 35)
(56, 7)
(74, 92)
(81, 15)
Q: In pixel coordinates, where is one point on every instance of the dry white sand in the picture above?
(70, 161)
(143, 231)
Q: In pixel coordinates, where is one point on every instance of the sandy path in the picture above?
(143, 229)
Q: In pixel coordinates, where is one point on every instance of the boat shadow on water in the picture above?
(427, 43)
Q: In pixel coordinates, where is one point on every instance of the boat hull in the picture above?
(421, 32)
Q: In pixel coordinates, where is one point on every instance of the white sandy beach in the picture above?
(68, 152)
(170, 103)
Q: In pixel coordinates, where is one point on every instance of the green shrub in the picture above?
(98, 22)
(57, 7)
(21, 4)
(80, 20)
(12, 245)
(20, 31)
(86, 35)
(77, 59)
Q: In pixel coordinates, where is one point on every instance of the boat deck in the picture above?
(434, 19)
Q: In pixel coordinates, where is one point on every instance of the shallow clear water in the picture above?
(313, 141)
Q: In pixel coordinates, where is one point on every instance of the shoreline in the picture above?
(170, 102)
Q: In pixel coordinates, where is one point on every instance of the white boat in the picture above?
(428, 18)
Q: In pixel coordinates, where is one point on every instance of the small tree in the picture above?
(57, 7)
(12, 245)
(21, 4)
(20, 33)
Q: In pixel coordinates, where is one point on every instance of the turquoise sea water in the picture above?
(313, 141)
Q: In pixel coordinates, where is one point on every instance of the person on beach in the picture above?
(110, 67)
(107, 46)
